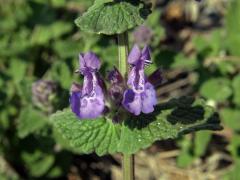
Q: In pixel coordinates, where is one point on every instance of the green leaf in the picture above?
(218, 89)
(113, 17)
(63, 142)
(58, 3)
(24, 89)
(236, 89)
(233, 27)
(202, 138)
(234, 146)
(17, 70)
(226, 67)
(65, 75)
(170, 120)
(153, 23)
(185, 158)
(177, 117)
(42, 34)
(63, 161)
(88, 136)
(30, 120)
(181, 61)
(37, 163)
(231, 118)
(67, 48)
(62, 73)
(102, 1)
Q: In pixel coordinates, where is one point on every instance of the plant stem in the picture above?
(122, 52)
(128, 167)
(128, 160)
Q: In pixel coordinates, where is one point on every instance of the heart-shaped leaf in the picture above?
(170, 120)
(112, 17)
(88, 136)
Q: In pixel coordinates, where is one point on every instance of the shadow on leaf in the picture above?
(185, 114)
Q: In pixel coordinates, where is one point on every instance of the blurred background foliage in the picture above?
(196, 45)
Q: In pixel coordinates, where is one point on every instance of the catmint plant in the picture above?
(122, 114)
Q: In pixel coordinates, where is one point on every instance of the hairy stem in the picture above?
(128, 167)
(122, 53)
(128, 160)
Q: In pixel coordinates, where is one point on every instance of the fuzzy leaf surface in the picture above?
(106, 17)
(170, 120)
(87, 136)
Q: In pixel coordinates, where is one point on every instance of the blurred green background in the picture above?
(196, 45)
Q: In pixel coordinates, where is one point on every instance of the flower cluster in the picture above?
(43, 93)
(136, 95)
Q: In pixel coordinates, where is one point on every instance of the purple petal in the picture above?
(100, 82)
(88, 83)
(143, 35)
(132, 102)
(92, 61)
(116, 88)
(75, 102)
(156, 78)
(115, 76)
(136, 79)
(116, 93)
(149, 98)
(92, 106)
(88, 62)
(134, 55)
(146, 55)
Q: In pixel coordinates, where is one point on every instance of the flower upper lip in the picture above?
(137, 55)
(88, 62)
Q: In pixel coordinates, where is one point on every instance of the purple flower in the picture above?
(87, 101)
(141, 95)
(143, 35)
(116, 88)
(43, 93)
